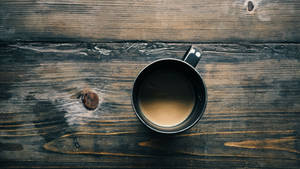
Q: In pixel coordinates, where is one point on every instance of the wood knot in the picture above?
(89, 99)
(250, 6)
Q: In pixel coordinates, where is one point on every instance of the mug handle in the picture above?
(192, 56)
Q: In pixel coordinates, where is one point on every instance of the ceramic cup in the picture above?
(185, 67)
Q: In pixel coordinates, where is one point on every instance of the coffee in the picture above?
(166, 97)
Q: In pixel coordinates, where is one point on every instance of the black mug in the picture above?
(175, 75)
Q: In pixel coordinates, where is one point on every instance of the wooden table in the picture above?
(52, 50)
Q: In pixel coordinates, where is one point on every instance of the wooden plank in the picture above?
(251, 120)
(156, 20)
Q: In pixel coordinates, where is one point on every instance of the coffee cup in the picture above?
(169, 95)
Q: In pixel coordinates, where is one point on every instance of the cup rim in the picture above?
(175, 131)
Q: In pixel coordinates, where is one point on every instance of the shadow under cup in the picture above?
(173, 82)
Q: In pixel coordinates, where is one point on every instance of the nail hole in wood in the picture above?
(250, 6)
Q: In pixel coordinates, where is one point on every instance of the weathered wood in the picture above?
(155, 20)
(252, 117)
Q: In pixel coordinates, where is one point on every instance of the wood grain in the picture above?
(251, 121)
(155, 20)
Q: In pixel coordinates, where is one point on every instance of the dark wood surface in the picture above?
(251, 121)
(150, 20)
(54, 54)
